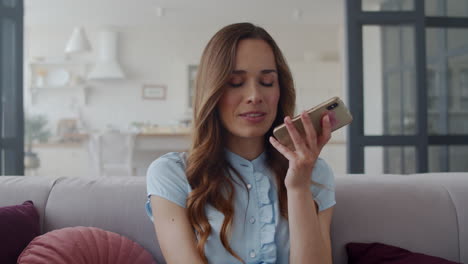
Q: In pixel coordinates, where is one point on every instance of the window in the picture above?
(407, 85)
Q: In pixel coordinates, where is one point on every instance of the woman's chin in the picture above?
(253, 133)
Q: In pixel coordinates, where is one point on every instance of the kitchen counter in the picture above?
(163, 142)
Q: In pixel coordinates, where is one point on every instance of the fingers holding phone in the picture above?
(328, 121)
(304, 144)
(301, 139)
(315, 137)
(306, 139)
(334, 108)
(333, 120)
(306, 149)
(310, 132)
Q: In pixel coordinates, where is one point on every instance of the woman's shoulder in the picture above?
(166, 178)
(324, 187)
(170, 165)
(323, 173)
(170, 159)
(322, 164)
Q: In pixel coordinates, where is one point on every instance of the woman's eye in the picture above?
(235, 84)
(267, 84)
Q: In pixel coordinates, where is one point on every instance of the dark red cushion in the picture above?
(19, 224)
(377, 253)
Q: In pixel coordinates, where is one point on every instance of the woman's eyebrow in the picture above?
(262, 71)
(268, 71)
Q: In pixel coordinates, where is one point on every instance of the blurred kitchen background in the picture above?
(107, 83)
(111, 80)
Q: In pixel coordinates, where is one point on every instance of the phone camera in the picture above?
(332, 106)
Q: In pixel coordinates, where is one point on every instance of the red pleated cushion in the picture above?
(84, 245)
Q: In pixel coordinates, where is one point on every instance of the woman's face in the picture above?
(249, 103)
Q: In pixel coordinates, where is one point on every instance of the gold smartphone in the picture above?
(339, 117)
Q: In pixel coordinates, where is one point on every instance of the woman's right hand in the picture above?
(306, 151)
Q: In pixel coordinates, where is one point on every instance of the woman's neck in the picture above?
(248, 148)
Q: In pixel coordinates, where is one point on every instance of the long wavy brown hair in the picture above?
(207, 168)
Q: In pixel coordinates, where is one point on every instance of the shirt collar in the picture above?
(242, 164)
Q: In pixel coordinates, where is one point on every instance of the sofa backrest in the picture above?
(17, 189)
(112, 203)
(423, 213)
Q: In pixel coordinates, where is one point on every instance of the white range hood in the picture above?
(107, 65)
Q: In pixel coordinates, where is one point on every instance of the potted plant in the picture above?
(34, 131)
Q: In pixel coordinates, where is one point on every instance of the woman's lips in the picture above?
(257, 118)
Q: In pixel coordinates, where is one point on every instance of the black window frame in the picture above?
(356, 18)
(12, 148)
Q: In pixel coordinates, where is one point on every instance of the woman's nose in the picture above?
(254, 95)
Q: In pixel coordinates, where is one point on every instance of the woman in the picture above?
(238, 195)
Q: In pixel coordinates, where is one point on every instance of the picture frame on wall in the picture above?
(192, 75)
(154, 92)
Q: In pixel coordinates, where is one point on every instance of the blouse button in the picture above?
(252, 254)
(249, 186)
(252, 220)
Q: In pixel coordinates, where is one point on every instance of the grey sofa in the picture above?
(426, 213)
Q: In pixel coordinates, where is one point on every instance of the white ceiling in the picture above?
(144, 12)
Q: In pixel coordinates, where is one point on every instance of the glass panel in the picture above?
(431, 7)
(393, 110)
(409, 103)
(389, 80)
(433, 100)
(8, 82)
(407, 44)
(451, 8)
(393, 160)
(448, 158)
(387, 5)
(391, 45)
(9, 3)
(458, 94)
(447, 80)
(457, 38)
(434, 39)
(458, 159)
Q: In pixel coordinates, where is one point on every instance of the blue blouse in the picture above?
(259, 233)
